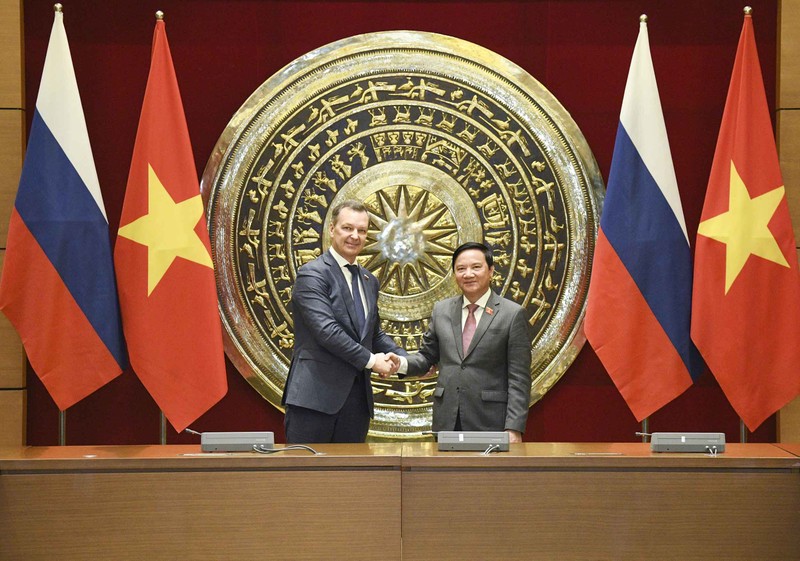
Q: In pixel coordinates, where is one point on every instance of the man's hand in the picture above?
(384, 365)
(514, 436)
(395, 359)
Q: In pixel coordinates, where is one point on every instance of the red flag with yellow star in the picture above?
(163, 259)
(746, 302)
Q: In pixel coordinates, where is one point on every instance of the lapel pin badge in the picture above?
(489, 311)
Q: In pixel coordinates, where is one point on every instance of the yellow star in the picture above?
(744, 229)
(167, 231)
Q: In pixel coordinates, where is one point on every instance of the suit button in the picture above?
(463, 367)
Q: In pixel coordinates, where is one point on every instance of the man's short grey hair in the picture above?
(352, 204)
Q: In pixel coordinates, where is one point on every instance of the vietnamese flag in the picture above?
(163, 260)
(746, 303)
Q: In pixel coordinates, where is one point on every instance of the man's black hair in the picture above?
(487, 253)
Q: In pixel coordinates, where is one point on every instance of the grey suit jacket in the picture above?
(328, 353)
(490, 383)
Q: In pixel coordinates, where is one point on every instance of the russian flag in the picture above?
(638, 314)
(58, 287)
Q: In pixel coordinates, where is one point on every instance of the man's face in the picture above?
(473, 274)
(349, 233)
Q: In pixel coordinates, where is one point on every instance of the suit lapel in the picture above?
(341, 284)
(489, 312)
(455, 323)
(372, 307)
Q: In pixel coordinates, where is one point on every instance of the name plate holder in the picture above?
(236, 441)
(709, 442)
(482, 441)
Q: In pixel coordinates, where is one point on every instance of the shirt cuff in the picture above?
(371, 362)
(403, 369)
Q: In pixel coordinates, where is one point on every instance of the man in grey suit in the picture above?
(482, 345)
(337, 339)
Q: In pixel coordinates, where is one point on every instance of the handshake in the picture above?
(386, 364)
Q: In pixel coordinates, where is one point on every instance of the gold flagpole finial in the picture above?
(58, 8)
(643, 18)
(748, 11)
(159, 16)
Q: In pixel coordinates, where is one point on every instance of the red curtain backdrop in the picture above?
(223, 50)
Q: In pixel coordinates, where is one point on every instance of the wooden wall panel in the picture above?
(12, 359)
(12, 123)
(11, 75)
(788, 83)
(788, 120)
(789, 153)
(12, 417)
(12, 135)
(789, 422)
(12, 102)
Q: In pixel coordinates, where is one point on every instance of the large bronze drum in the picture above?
(445, 142)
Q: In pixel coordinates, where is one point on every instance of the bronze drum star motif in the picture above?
(445, 142)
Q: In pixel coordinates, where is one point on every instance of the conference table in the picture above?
(400, 501)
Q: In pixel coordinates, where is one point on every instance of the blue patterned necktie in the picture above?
(360, 315)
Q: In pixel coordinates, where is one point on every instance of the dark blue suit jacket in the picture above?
(328, 353)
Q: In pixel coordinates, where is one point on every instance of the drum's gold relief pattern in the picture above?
(445, 143)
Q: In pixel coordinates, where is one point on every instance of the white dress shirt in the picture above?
(348, 277)
(481, 302)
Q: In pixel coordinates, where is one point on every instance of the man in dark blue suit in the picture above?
(337, 339)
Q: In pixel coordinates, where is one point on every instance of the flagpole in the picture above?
(748, 12)
(62, 415)
(163, 429)
(645, 429)
(62, 428)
